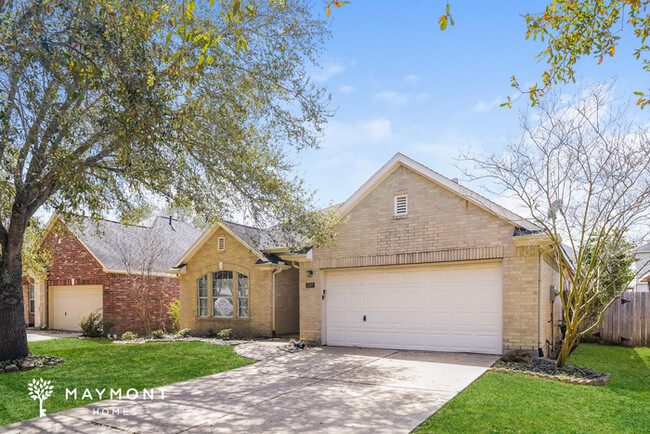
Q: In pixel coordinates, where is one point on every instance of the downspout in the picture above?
(276, 271)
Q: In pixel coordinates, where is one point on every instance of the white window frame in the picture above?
(397, 197)
(240, 297)
(30, 296)
(226, 297)
(199, 298)
(221, 244)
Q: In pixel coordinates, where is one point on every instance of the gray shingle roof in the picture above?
(114, 243)
(259, 239)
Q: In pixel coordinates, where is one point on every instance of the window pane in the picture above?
(243, 308)
(242, 285)
(222, 284)
(203, 286)
(203, 307)
(222, 307)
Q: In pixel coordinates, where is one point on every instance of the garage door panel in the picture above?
(443, 308)
(67, 304)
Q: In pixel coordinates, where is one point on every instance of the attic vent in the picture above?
(221, 244)
(401, 205)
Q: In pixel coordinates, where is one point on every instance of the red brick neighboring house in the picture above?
(93, 266)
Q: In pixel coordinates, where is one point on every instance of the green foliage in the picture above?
(128, 336)
(185, 333)
(574, 29)
(614, 258)
(175, 315)
(98, 364)
(157, 334)
(226, 334)
(94, 325)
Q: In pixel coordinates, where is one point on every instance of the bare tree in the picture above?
(144, 253)
(582, 171)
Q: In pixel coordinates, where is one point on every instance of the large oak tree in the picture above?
(109, 105)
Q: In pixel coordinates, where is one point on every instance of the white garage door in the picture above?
(69, 303)
(437, 308)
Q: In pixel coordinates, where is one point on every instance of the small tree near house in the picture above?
(144, 254)
(582, 171)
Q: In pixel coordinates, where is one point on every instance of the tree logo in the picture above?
(40, 390)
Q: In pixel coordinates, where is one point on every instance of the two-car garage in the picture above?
(428, 307)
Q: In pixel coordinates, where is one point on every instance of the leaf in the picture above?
(600, 59)
(443, 22)
(211, 3)
(639, 101)
(329, 7)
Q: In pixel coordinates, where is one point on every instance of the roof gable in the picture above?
(253, 239)
(400, 160)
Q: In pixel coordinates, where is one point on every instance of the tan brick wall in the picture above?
(437, 219)
(286, 302)
(237, 258)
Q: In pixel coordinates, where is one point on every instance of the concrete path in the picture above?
(325, 389)
(34, 335)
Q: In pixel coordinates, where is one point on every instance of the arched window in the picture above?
(203, 296)
(222, 300)
(242, 295)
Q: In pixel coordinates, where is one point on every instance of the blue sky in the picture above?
(399, 84)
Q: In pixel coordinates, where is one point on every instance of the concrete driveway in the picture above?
(34, 335)
(324, 389)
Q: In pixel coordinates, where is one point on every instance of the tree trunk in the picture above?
(13, 330)
(567, 347)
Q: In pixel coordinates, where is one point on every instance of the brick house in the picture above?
(94, 265)
(419, 262)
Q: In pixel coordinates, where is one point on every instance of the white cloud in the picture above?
(372, 131)
(486, 106)
(412, 79)
(392, 97)
(421, 97)
(329, 70)
(347, 89)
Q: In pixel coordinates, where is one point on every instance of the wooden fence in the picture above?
(627, 321)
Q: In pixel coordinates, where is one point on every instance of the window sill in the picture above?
(400, 217)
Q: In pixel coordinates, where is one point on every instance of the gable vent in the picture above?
(401, 205)
(221, 243)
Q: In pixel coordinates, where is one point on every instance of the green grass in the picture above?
(505, 402)
(99, 364)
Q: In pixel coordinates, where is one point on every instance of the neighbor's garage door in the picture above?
(437, 308)
(69, 303)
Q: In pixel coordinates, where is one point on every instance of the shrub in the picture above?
(129, 336)
(185, 333)
(226, 334)
(93, 324)
(175, 314)
(517, 356)
(211, 333)
(157, 334)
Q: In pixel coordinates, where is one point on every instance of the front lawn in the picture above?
(99, 364)
(505, 402)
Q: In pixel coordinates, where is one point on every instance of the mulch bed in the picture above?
(545, 368)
